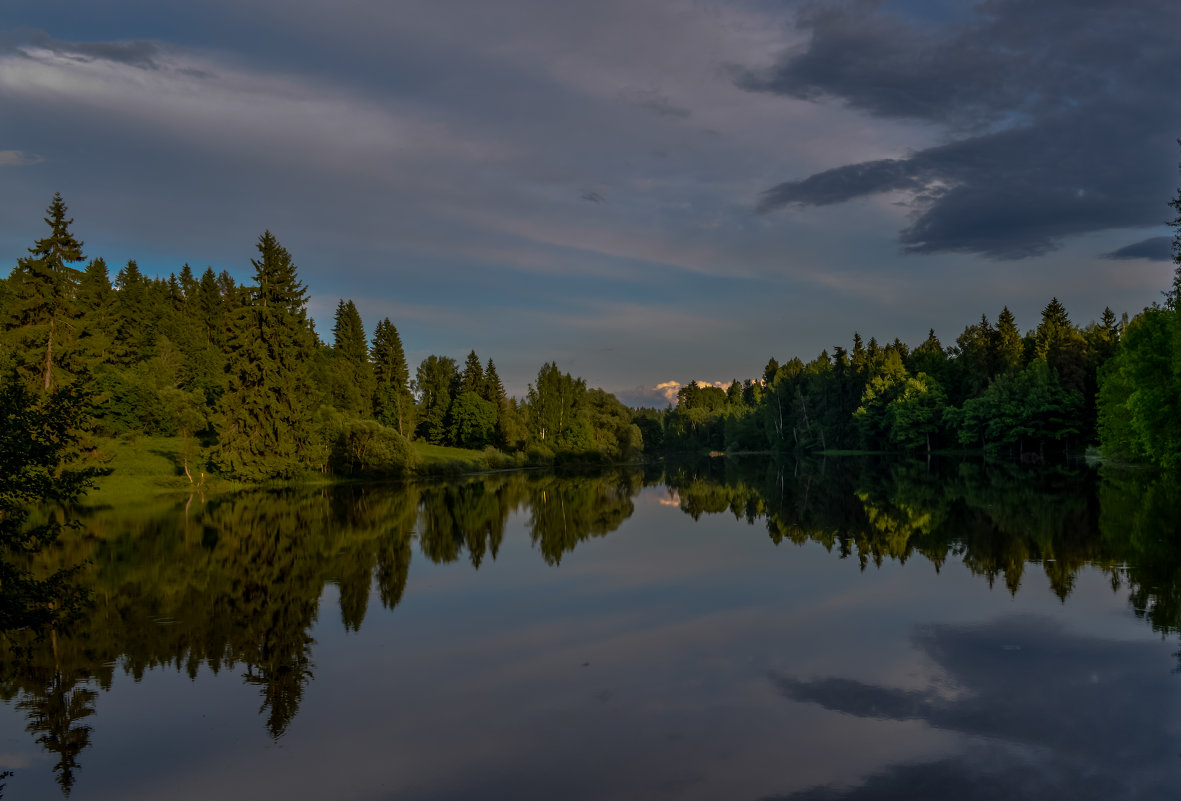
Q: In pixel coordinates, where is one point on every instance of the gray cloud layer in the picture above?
(584, 169)
(1061, 116)
(1052, 714)
(1157, 248)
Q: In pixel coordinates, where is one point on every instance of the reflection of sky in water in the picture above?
(671, 659)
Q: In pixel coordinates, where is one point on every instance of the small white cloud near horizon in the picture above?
(669, 389)
(18, 158)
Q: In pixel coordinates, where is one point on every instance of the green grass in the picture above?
(440, 459)
(145, 466)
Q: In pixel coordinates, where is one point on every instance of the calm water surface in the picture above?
(836, 630)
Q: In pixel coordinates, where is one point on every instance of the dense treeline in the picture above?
(1057, 388)
(239, 373)
(1023, 395)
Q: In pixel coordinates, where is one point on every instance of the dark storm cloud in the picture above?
(1062, 116)
(1158, 248)
(1064, 716)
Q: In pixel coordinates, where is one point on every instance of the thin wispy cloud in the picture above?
(18, 158)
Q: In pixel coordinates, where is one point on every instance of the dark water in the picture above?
(834, 630)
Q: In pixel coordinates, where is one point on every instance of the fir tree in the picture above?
(265, 416)
(135, 322)
(351, 380)
(393, 405)
(492, 389)
(96, 305)
(1008, 350)
(42, 303)
(493, 392)
(1055, 324)
(472, 379)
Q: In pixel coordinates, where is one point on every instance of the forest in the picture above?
(238, 373)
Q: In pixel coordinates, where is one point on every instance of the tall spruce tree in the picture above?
(472, 379)
(351, 382)
(42, 304)
(96, 305)
(1008, 348)
(264, 422)
(393, 405)
(493, 390)
(136, 319)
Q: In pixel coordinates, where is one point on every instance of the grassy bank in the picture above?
(145, 466)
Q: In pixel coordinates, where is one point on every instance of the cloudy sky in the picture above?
(644, 190)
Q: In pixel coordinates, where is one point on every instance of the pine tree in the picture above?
(41, 307)
(1055, 324)
(351, 382)
(188, 284)
(1008, 348)
(264, 422)
(493, 390)
(393, 405)
(472, 379)
(135, 324)
(929, 357)
(96, 306)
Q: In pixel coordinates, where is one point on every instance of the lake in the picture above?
(848, 628)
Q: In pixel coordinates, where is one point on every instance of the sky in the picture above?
(647, 192)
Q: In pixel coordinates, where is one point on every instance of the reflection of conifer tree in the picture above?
(1141, 510)
(469, 517)
(564, 512)
(995, 517)
(55, 716)
(393, 565)
(278, 592)
(438, 536)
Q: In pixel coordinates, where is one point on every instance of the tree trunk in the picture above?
(49, 357)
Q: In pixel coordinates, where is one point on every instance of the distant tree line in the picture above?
(995, 388)
(1055, 389)
(240, 374)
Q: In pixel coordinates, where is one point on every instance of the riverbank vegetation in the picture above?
(239, 377)
(233, 383)
(1054, 390)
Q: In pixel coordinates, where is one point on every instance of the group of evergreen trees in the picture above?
(240, 374)
(1059, 387)
(994, 388)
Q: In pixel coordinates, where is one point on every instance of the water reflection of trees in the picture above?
(232, 585)
(995, 518)
(235, 584)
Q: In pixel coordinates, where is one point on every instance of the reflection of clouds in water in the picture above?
(15, 760)
(673, 499)
(1062, 716)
